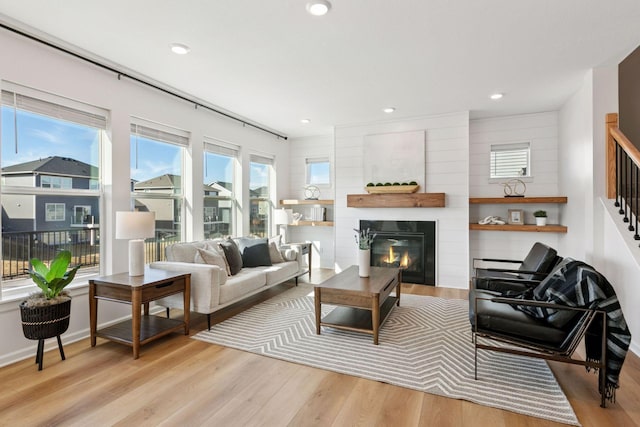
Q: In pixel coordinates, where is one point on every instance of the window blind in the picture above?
(510, 160)
(175, 136)
(261, 159)
(218, 147)
(62, 112)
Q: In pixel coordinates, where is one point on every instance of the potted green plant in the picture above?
(541, 217)
(364, 239)
(45, 314)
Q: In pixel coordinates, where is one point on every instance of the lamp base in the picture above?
(136, 257)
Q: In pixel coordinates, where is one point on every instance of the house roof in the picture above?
(273, 63)
(53, 165)
(166, 181)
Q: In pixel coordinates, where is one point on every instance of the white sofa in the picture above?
(212, 289)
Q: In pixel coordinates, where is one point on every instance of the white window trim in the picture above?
(501, 147)
(309, 161)
(57, 205)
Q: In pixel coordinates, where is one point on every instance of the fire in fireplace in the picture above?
(409, 245)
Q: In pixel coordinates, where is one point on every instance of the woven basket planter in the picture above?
(46, 321)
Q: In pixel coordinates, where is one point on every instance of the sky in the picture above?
(40, 137)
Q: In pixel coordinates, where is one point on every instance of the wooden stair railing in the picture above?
(623, 173)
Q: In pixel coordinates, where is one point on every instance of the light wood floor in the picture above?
(184, 382)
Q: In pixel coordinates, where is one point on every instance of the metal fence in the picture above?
(20, 247)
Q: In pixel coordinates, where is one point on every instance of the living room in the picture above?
(568, 147)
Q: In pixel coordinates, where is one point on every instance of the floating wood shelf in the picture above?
(388, 200)
(312, 224)
(549, 228)
(293, 202)
(514, 200)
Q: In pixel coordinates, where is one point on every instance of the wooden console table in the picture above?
(139, 291)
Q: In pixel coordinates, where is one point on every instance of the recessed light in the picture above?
(318, 7)
(389, 110)
(179, 48)
(496, 96)
(305, 121)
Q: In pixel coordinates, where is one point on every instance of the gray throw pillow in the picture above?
(274, 254)
(232, 253)
(255, 252)
(213, 257)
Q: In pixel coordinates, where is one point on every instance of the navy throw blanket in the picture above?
(576, 284)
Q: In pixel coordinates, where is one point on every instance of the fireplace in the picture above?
(409, 245)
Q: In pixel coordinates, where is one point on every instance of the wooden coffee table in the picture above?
(365, 302)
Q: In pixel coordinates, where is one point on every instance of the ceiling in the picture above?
(274, 64)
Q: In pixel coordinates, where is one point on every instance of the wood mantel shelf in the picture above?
(394, 200)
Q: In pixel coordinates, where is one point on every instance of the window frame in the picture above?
(56, 211)
(307, 175)
(56, 108)
(261, 201)
(213, 146)
(509, 149)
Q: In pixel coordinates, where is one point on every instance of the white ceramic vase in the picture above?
(541, 220)
(364, 262)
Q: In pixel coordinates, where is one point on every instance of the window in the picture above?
(47, 181)
(81, 216)
(54, 211)
(220, 160)
(50, 156)
(510, 160)
(157, 153)
(259, 195)
(318, 172)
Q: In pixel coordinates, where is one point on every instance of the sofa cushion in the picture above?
(280, 272)
(212, 257)
(232, 254)
(247, 280)
(274, 254)
(183, 252)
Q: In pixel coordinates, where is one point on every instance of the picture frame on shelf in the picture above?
(516, 216)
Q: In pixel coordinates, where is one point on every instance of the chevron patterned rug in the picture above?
(425, 345)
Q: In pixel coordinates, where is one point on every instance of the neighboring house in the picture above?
(167, 208)
(42, 212)
(218, 209)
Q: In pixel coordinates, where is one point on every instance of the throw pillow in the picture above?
(212, 257)
(274, 254)
(232, 254)
(290, 254)
(256, 255)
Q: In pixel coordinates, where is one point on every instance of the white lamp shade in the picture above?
(282, 216)
(135, 225)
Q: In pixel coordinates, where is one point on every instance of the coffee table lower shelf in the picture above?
(151, 327)
(357, 319)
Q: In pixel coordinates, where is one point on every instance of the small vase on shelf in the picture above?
(364, 262)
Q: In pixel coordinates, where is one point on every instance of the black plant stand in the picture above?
(40, 353)
(40, 323)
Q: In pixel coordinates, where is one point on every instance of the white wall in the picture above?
(447, 145)
(541, 131)
(45, 69)
(321, 237)
(596, 232)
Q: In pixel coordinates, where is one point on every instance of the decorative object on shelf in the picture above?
(311, 192)
(364, 238)
(396, 187)
(516, 216)
(135, 226)
(541, 217)
(514, 188)
(492, 220)
(46, 314)
(297, 216)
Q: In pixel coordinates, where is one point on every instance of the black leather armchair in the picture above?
(494, 319)
(538, 263)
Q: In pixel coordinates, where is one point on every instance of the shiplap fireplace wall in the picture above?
(446, 170)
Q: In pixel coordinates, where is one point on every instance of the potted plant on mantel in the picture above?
(46, 314)
(541, 217)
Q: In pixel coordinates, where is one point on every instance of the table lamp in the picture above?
(135, 226)
(283, 217)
